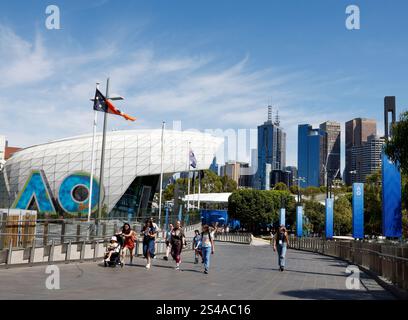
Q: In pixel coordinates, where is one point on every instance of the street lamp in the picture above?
(298, 179)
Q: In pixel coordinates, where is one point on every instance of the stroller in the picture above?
(115, 258)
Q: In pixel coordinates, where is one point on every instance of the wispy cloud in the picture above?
(47, 90)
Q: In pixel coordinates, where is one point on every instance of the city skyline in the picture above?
(173, 71)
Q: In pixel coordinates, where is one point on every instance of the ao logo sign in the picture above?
(358, 191)
(73, 193)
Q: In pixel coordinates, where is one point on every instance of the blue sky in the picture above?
(209, 64)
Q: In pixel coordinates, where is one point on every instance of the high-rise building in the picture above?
(283, 176)
(332, 148)
(234, 169)
(293, 173)
(357, 132)
(311, 155)
(214, 166)
(271, 148)
(366, 158)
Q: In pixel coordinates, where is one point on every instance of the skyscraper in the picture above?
(332, 148)
(311, 155)
(271, 148)
(357, 132)
(366, 158)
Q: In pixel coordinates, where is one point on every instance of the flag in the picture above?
(193, 160)
(105, 105)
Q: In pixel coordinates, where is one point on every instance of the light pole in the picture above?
(298, 179)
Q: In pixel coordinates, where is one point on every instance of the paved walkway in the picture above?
(237, 272)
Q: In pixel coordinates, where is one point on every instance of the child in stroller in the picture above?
(113, 252)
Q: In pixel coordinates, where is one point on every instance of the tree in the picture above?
(342, 216)
(228, 185)
(254, 207)
(373, 204)
(315, 212)
(397, 147)
(281, 186)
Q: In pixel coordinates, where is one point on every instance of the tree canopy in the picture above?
(397, 147)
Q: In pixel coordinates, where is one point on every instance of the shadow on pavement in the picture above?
(334, 294)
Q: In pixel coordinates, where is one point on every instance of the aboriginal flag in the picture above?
(105, 105)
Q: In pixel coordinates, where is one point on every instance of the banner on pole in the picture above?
(166, 221)
(329, 218)
(391, 198)
(358, 210)
(299, 221)
(282, 220)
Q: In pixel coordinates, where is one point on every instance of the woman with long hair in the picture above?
(149, 232)
(129, 241)
(207, 246)
(280, 244)
(177, 241)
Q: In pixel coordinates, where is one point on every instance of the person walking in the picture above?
(149, 232)
(129, 241)
(280, 244)
(207, 246)
(197, 246)
(168, 246)
(177, 241)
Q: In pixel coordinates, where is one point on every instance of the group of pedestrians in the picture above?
(175, 239)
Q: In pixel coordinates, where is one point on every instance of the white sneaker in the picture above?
(177, 267)
(148, 266)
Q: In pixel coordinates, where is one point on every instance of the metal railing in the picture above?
(87, 250)
(244, 238)
(387, 260)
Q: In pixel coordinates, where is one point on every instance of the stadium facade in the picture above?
(54, 177)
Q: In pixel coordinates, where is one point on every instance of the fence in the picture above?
(387, 260)
(69, 252)
(244, 238)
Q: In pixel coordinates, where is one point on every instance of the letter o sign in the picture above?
(73, 194)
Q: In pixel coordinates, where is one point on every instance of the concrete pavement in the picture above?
(236, 272)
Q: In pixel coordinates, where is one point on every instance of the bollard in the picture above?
(96, 249)
(78, 233)
(32, 253)
(62, 232)
(45, 233)
(9, 254)
(82, 255)
(68, 253)
(51, 255)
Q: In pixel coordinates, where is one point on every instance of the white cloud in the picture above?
(48, 90)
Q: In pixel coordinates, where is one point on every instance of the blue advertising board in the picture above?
(299, 221)
(282, 214)
(391, 198)
(329, 218)
(358, 210)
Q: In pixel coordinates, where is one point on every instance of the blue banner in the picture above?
(391, 199)
(358, 210)
(329, 218)
(299, 221)
(282, 214)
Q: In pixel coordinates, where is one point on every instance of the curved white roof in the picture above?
(128, 154)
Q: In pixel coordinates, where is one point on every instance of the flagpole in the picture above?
(199, 190)
(188, 177)
(161, 170)
(92, 161)
(105, 119)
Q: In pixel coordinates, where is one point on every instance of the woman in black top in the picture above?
(177, 241)
(281, 243)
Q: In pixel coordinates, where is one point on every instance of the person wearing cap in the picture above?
(112, 247)
(280, 244)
